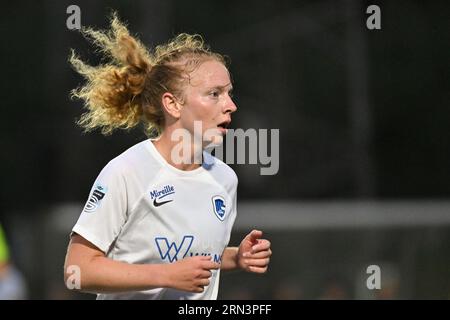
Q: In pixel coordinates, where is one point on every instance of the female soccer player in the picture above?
(155, 227)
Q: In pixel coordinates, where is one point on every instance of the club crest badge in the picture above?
(219, 207)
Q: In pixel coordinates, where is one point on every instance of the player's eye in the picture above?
(214, 94)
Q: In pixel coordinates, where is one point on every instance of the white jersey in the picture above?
(142, 210)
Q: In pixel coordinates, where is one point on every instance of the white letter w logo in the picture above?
(171, 250)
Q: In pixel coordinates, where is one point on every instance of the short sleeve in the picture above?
(105, 211)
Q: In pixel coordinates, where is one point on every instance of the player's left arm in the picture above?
(252, 255)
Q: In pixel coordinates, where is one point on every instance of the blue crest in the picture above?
(219, 207)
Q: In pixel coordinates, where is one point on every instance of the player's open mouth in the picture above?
(224, 124)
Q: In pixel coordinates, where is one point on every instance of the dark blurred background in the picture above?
(363, 118)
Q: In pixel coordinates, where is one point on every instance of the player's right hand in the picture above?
(191, 274)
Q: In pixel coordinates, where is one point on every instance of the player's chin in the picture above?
(214, 140)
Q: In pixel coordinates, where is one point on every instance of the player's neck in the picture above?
(170, 150)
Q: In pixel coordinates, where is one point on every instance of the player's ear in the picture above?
(171, 105)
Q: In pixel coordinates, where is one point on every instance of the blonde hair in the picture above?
(128, 89)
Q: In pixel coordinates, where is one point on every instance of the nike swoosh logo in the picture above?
(157, 204)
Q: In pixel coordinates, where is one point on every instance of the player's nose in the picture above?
(230, 106)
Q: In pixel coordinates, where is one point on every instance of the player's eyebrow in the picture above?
(221, 88)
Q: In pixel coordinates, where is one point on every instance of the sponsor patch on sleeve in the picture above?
(96, 198)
